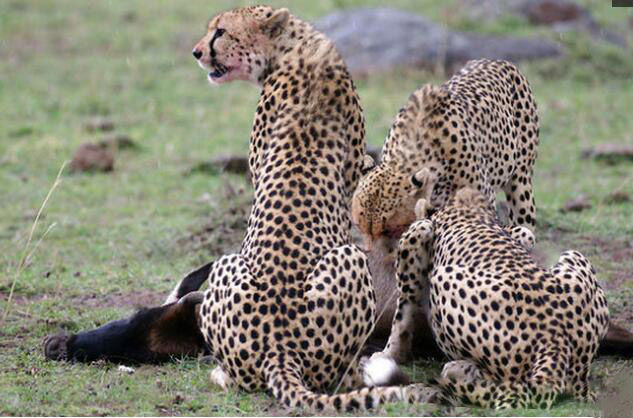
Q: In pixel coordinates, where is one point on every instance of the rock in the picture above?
(617, 197)
(379, 39)
(117, 141)
(610, 153)
(549, 12)
(577, 205)
(564, 15)
(502, 48)
(238, 164)
(98, 123)
(92, 157)
(372, 40)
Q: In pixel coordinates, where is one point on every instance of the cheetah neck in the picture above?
(300, 42)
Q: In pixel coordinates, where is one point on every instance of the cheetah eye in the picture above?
(219, 32)
(416, 181)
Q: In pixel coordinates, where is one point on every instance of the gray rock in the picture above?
(380, 39)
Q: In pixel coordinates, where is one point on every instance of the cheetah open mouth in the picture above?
(219, 71)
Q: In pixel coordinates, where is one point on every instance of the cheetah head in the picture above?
(384, 201)
(239, 43)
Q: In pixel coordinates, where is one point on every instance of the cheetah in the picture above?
(479, 129)
(519, 335)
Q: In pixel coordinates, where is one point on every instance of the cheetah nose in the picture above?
(197, 54)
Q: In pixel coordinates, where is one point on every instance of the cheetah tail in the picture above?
(492, 394)
(287, 387)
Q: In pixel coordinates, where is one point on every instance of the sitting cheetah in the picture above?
(480, 129)
(519, 334)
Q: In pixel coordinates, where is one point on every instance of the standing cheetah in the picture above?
(479, 129)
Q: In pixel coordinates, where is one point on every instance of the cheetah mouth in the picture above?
(219, 71)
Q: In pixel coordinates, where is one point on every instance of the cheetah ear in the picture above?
(423, 182)
(421, 178)
(276, 22)
(368, 164)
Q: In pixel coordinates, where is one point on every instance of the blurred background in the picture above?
(156, 185)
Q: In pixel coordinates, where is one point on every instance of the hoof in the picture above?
(56, 347)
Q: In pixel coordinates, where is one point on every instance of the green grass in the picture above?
(63, 62)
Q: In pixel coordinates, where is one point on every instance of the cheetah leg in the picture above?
(226, 304)
(412, 264)
(549, 373)
(352, 377)
(579, 385)
(523, 236)
(575, 270)
(521, 201)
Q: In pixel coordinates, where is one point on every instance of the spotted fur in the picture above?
(520, 334)
(479, 129)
